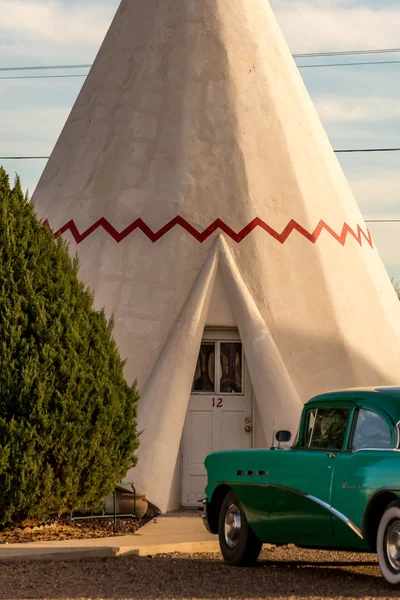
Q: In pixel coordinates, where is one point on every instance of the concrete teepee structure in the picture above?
(195, 181)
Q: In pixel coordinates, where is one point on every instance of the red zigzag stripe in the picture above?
(202, 236)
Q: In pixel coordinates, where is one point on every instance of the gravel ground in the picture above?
(281, 573)
(60, 528)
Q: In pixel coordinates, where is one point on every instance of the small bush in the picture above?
(67, 415)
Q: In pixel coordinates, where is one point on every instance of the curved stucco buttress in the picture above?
(277, 399)
(164, 399)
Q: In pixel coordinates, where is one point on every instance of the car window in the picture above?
(371, 431)
(326, 428)
(310, 420)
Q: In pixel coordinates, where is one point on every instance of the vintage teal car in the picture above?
(336, 487)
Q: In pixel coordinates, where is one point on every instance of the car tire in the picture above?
(388, 544)
(239, 544)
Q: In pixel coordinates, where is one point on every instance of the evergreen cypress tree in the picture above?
(67, 415)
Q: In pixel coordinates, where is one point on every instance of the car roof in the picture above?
(386, 398)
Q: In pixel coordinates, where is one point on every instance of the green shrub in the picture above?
(67, 416)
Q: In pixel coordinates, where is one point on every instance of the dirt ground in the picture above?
(62, 529)
(280, 573)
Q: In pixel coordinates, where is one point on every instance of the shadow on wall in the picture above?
(322, 365)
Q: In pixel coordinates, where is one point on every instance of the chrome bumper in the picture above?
(204, 516)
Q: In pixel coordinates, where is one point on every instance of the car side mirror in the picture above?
(283, 436)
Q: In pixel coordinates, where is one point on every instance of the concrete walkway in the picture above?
(164, 535)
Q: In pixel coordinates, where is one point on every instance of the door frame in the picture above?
(227, 334)
(222, 334)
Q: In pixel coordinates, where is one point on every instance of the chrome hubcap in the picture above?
(233, 525)
(393, 545)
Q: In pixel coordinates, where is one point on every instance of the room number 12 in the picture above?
(217, 403)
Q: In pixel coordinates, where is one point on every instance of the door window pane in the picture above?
(329, 428)
(231, 368)
(204, 377)
(371, 431)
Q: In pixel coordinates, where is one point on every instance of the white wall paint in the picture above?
(220, 312)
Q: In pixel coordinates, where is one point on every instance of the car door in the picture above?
(367, 465)
(301, 478)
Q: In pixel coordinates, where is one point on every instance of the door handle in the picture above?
(331, 455)
(248, 429)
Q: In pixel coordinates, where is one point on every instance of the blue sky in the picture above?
(359, 106)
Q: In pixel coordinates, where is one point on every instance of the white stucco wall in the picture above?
(220, 312)
(196, 110)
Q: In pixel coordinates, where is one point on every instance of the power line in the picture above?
(344, 151)
(43, 77)
(366, 220)
(351, 64)
(298, 55)
(347, 52)
(350, 150)
(45, 67)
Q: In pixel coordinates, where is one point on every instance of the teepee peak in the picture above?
(187, 104)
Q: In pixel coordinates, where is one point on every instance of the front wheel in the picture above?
(388, 544)
(239, 544)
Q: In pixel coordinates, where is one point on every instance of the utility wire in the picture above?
(43, 77)
(366, 220)
(350, 64)
(347, 151)
(347, 52)
(299, 55)
(45, 67)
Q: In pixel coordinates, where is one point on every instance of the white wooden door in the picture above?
(219, 415)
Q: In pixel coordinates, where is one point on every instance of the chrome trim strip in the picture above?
(242, 482)
(318, 501)
(337, 514)
(375, 450)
